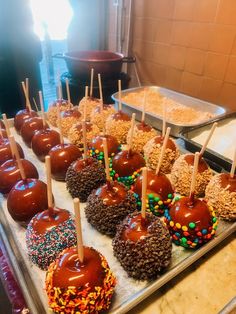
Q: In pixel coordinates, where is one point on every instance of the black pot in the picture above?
(107, 63)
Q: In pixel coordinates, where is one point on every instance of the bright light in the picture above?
(55, 14)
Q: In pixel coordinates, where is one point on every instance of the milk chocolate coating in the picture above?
(26, 199)
(5, 151)
(10, 174)
(125, 163)
(44, 221)
(147, 257)
(120, 115)
(83, 176)
(112, 144)
(183, 212)
(21, 116)
(29, 127)
(43, 140)
(202, 165)
(71, 272)
(143, 127)
(170, 144)
(159, 185)
(105, 218)
(62, 156)
(227, 182)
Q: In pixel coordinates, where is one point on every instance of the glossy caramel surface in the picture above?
(111, 193)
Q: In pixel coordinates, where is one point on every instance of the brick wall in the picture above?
(188, 46)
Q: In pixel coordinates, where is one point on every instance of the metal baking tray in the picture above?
(223, 134)
(128, 293)
(156, 120)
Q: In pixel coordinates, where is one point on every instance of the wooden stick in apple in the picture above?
(80, 247)
(163, 149)
(49, 186)
(101, 102)
(119, 93)
(59, 124)
(6, 123)
(207, 139)
(131, 132)
(84, 138)
(85, 104)
(108, 177)
(28, 105)
(144, 106)
(144, 192)
(194, 176)
(233, 166)
(68, 91)
(18, 159)
(42, 108)
(164, 121)
(91, 83)
(35, 104)
(27, 90)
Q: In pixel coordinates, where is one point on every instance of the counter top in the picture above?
(205, 287)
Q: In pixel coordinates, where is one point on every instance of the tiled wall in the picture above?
(188, 46)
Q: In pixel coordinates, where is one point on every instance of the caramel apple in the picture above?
(141, 135)
(75, 135)
(2, 125)
(83, 176)
(5, 150)
(159, 192)
(96, 147)
(49, 234)
(3, 133)
(29, 127)
(99, 118)
(182, 171)
(90, 103)
(126, 166)
(21, 116)
(52, 110)
(191, 222)
(68, 118)
(27, 198)
(62, 155)
(152, 151)
(10, 174)
(142, 246)
(80, 287)
(221, 195)
(118, 125)
(43, 140)
(108, 205)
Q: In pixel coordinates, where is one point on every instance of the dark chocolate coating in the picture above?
(26, 199)
(159, 185)
(5, 151)
(10, 174)
(125, 163)
(62, 156)
(202, 165)
(112, 144)
(71, 272)
(21, 116)
(29, 127)
(143, 127)
(43, 140)
(227, 181)
(105, 218)
(44, 221)
(120, 116)
(170, 144)
(146, 258)
(184, 212)
(83, 176)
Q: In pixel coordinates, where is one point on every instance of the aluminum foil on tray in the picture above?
(182, 111)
